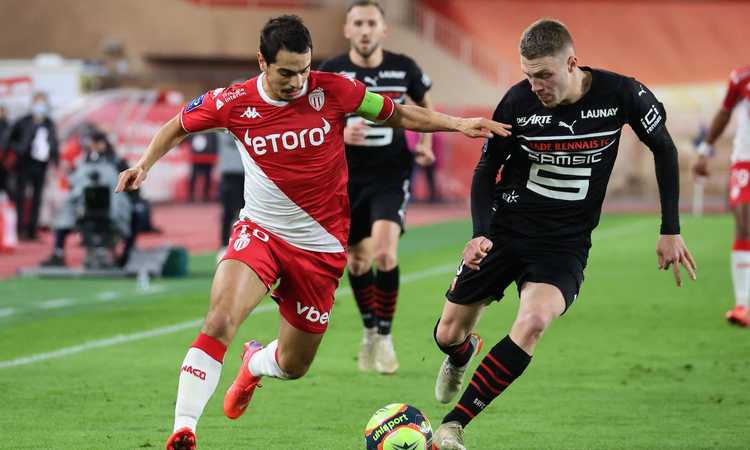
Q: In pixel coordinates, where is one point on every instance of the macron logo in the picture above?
(312, 314)
(250, 113)
(195, 372)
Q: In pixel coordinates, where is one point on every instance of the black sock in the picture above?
(60, 236)
(459, 354)
(502, 365)
(386, 294)
(364, 295)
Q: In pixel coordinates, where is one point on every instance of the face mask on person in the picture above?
(40, 109)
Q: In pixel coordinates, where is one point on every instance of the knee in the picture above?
(449, 333)
(385, 260)
(219, 322)
(220, 326)
(532, 324)
(358, 265)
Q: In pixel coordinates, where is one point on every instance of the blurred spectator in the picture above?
(33, 142)
(203, 148)
(99, 167)
(433, 193)
(232, 185)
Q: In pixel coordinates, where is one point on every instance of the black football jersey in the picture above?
(385, 155)
(558, 161)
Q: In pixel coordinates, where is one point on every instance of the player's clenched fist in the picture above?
(356, 133)
(475, 251)
(131, 179)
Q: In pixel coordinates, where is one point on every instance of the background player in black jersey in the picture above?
(534, 226)
(380, 166)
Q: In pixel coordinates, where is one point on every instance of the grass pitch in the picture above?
(635, 363)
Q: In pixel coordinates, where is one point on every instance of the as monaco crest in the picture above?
(317, 98)
(241, 242)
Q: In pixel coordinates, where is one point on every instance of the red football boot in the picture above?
(738, 316)
(182, 439)
(241, 391)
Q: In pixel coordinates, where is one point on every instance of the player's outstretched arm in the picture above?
(168, 136)
(647, 117)
(417, 118)
(672, 251)
(382, 109)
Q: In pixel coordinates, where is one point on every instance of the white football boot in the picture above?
(366, 355)
(450, 378)
(449, 436)
(385, 355)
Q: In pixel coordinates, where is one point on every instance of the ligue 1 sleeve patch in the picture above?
(197, 101)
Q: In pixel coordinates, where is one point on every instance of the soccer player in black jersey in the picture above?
(380, 166)
(534, 225)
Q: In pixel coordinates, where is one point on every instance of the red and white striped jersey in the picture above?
(738, 98)
(295, 166)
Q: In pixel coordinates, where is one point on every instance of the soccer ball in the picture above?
(398, 426)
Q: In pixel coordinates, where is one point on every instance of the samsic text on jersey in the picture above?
(386, 154)
(559, 160)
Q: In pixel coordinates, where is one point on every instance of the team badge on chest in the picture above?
(317, 98)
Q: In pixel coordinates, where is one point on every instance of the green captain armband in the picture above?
(375, 107)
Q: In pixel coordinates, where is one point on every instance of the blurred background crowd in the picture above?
(72, 108)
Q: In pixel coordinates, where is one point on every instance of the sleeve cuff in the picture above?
(705, 149)
(669, 229)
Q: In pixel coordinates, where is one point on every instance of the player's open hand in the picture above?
(130, 179)
(672, 251)
(477, 127)
(356, 133)
(475, 251)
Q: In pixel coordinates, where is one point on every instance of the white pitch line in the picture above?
(56, 303)
(5, 312)
(340, 292)
(108, 296)
(153, 289)
(123, 338)
(114, 340)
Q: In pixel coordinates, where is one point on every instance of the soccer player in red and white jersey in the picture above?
(737, 98)
(295, 222)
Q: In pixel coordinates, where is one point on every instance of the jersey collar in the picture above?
(267, 98)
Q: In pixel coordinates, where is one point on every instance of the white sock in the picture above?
(741, 276)
(263, 363)
(199, 376)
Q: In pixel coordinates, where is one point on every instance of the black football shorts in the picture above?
(380, 200)
(519, 260)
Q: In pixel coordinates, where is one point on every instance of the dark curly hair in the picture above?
(284, 32)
